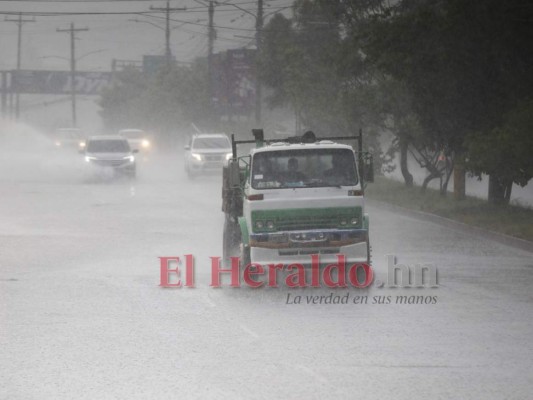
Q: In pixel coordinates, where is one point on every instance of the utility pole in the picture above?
(167, 9)
(72, 32)
(258, 45)
(19, 21)
(211, 41)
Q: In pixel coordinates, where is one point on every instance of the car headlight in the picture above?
(89, 158)
(145, 143)
(130, 158)
(197, 156)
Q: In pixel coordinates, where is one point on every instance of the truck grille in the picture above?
(306, 219)
(306, 222)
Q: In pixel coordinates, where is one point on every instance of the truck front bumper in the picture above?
(298, 246)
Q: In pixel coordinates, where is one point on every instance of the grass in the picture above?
(510, 220)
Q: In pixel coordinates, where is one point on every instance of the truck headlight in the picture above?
(89, 158)
(82, 145)
(145, 143)
(130, 158)
(228, 156)
(354, 221)
(259, 224)
(270, 225)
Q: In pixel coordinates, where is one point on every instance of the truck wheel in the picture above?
(245, 260)
(231, 239)
(245, 256)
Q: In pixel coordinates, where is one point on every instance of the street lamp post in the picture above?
(73, 61)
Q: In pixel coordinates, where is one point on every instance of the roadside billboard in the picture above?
(58, 82)
(233, 82)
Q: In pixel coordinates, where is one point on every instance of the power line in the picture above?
(74, 1)
(74, 13)
(160, 11)
(167, 11)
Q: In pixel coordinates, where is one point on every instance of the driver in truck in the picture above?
(293, 174)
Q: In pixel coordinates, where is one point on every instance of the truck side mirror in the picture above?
(234, 178)
(368, 168)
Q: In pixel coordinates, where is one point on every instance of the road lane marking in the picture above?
(249, 331)
(312, 373)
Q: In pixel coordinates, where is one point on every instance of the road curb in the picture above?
(498, 237)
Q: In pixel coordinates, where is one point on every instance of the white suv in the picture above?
(207, 152)
(137, 138)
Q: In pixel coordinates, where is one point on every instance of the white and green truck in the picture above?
(291, 198)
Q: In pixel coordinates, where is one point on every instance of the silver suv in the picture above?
(207, 152)
(110, 153)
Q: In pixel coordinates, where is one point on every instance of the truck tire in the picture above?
(245, 260)
(245, 256)
(231, 240)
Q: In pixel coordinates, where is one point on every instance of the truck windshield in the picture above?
(304, 168)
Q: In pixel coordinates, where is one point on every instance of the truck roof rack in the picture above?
(307, 137)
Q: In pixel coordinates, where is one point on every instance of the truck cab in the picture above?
(297, 198)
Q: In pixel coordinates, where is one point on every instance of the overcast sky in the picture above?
(118, 35)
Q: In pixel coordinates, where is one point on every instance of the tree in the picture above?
(174, 97)
(506, 153)
(464, 63)
(312, 66)
(122, 104)
(298, 64)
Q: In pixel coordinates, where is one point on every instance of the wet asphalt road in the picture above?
(82, 315)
